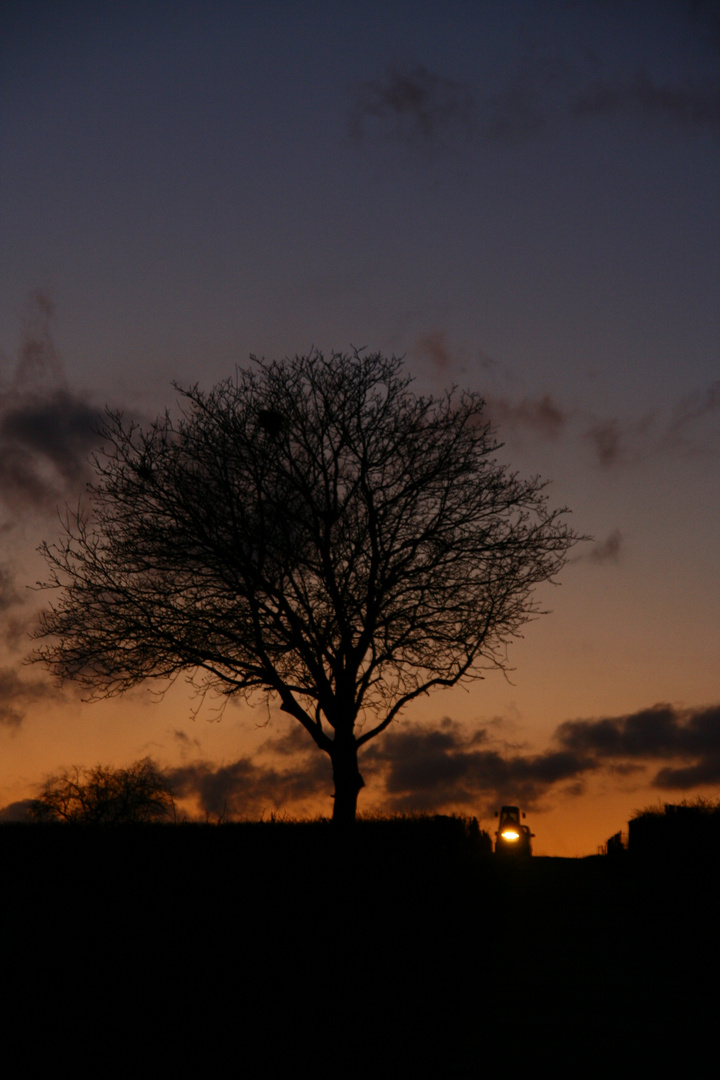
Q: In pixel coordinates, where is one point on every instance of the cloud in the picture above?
(449, 767)
(660, 733)
(453, 767)
(648, 733)
(416, 107)
(17, 694)
(690, 427)
(419, 768)
(685, 429)
(541, 416)
(432, 114)
(15, 616)
(47, 430)
(606, 551)
(692, 103)
(37, 359)
(185, 743)
(45, 442)
(293, 742)
(9, 596)
(616, 443)
(700, 774)
(521, 108)
(248, 788)
(609, 549)
(433, 347)
(607, 440)
(550, 83)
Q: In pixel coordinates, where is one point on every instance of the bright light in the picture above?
(510, 834)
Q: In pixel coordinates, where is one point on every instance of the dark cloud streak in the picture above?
(690, 428)
(47, 429)
(609, 549)
(541, 416)
(17, 694)
(607, 440)
(426, 112)
(692, 103)
(684, 432)
(247, 788)
(44, 446)
(433, 769)
(661, 733)
(451, 767)
(9, 596)
(550, 84)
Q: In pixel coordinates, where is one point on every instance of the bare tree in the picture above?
(104, 796)
(310, 530)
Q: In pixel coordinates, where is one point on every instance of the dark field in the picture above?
(271, 949)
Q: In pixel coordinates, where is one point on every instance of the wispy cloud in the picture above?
(15, 613)
(604, 551)
(18, 694)
(542, 416)
(689, 429)
(38, 360)
(412, 105)
(44, 444)
(47, 429)
(692, 103)
(9, 595)
(432, 114)
(524, 105)
(184, 742)
(686, 428)
(433, 346)
(548, 84)
(608, 550)
(609, 441)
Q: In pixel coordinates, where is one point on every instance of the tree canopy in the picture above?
(310, 529)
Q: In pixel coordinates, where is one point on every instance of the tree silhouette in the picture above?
(311, 530)
(105, 796)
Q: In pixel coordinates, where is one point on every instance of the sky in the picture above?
(522, 199)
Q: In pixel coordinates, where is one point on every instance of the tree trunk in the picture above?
(348, 780)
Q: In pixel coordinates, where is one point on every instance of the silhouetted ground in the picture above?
(271, 950)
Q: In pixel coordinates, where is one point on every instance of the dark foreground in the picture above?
(271, 950)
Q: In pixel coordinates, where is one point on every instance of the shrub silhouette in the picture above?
(138, 794)
(690, 829)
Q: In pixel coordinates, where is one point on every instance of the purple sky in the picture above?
(523, 198)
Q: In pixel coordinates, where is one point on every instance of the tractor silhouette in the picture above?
(512, 837)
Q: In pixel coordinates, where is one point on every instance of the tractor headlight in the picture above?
(510, 834)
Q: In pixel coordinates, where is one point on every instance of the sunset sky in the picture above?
(521, 198)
